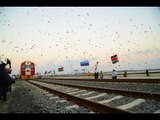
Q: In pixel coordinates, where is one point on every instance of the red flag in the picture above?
(60, 69)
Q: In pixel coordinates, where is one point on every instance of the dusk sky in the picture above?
(54, 37)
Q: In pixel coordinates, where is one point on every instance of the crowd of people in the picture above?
(100, 75)
(5, 79)
(114, 74)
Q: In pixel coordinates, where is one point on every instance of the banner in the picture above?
(84, 63)
(60, 69)
(114, 59)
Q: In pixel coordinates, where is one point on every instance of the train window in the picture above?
(27, 66)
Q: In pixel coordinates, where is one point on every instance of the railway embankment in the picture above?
(107, 76)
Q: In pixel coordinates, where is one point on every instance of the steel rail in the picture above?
(110, 80)
(136, 94)
(97, 107)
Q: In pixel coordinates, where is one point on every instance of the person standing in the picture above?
(5, 81)
(97, 75)
(125, 74)
(114, 74)
(147, 72)
(101, 75)
(9, 70)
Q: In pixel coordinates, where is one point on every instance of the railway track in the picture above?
(127, 86)
(100, 100)
(60, 91)
(136, 94)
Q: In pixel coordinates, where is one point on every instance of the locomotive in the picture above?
(27, 70)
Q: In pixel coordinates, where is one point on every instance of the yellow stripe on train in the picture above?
(27, 77)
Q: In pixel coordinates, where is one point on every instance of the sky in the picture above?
(54, 37)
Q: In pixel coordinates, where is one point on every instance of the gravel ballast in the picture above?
(26, 98)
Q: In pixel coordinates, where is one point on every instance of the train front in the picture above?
(27, 70)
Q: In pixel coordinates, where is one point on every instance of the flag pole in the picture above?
(71, 67)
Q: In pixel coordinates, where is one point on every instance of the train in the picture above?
(27, 70)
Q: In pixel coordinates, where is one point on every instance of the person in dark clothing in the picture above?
(147, 72)
(5, 81)
(97, 74)
(125, 74)
(9, 70)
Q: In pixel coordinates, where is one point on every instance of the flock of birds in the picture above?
(73, 46)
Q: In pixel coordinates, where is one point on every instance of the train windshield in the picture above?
(27, 66)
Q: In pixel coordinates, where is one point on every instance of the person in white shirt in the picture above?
(114, 74)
